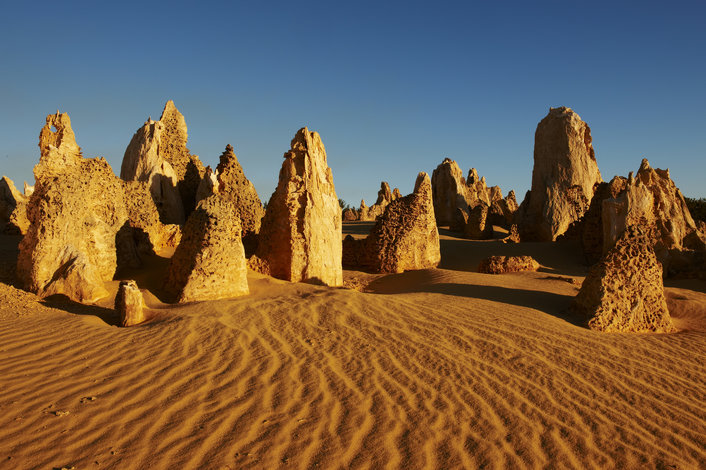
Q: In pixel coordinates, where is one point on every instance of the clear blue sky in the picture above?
(392, 87)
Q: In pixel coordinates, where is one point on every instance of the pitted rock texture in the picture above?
(209, 262)
(129, 304)
(404, 238)
(448, 191)
(624, 291)
(507, 264)
(300, 237)
(158, 155)
(81, 215)
(233, 184)
(13, 208)
(563, 178)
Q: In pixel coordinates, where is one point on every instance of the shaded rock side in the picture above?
(208, 185)
(233, 184)
(157, 154)
(404, 238)
(129, 304)
(448, 191)
(300, 236)
(209, 262)
(13, 208)
(507, 264)
(478, 226)
(563, 178)
(624, 291)
(476, 189)
(591, 226)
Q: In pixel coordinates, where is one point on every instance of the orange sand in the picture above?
(441, 368)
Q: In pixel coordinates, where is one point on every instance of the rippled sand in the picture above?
(441, 368)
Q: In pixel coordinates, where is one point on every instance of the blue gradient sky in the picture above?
(392, 87)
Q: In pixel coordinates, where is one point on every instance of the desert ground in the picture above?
(436, 368)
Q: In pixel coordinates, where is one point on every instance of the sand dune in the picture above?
(443, 368)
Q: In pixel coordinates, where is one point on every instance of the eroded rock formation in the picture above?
(385, 197)
(208, 185)
(563, 178)
(507, 264)
(404, 238)
(158, 155)
(129, 304)
(300, 237)
(449, 191)
(13, 208)
(624, 291)
(209, 262)
(233, 184)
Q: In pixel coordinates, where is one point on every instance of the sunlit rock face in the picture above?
(158, 155)
(300, 237)
(563, 178)
(13, 208)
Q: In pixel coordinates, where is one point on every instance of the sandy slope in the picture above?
(442, 368)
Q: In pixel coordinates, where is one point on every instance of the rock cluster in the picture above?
(385, 197)
(300, 237)
(13, 208)
(82, 218)
(209, 262)
(507, 264)
(158, 155)
(129, 304)
(563, 178)
(404, 238)
(624, 291)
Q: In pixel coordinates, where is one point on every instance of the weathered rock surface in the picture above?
(233, 184)
(502, 210)
(563, 178)
(208, 185)
(507, 264)
(82, 217)
(209, 262)
(624, 291)
(404, 238)
(129, 304)
(476, 189)
(300, 237)
(13, 208)
(478, 227)
(350, 215)
(591, 226)
(448, 191)
(158, 155)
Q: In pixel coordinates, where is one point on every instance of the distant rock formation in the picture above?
(448, 191)
(209, 262)
(478, 226)
(507, 264)
(300, 237)
(82, 220)
(565, 172)
(208, 185)
(624, 291)
(158, 155)
(350, 215)
(404, 238)
(502, 210)
(13, 209)
(385, 197)
(129, 304)
(476, 189)
(233, 184)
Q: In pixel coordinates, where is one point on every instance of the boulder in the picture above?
(563, 178)
(13, 208)
(129, 304)
(404, 238)
(300, 237)
(507, 264)
(624, 292)
(233, 184)
(448, 191)
(158, 155)
(209, 262)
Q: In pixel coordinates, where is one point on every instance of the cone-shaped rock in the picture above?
(158, 155)
(209, 262)
(233, 184)
(624, 291)
(564, 174)
(404, 238)
(300, 237)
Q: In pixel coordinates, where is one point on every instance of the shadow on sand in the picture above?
(61, 302)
